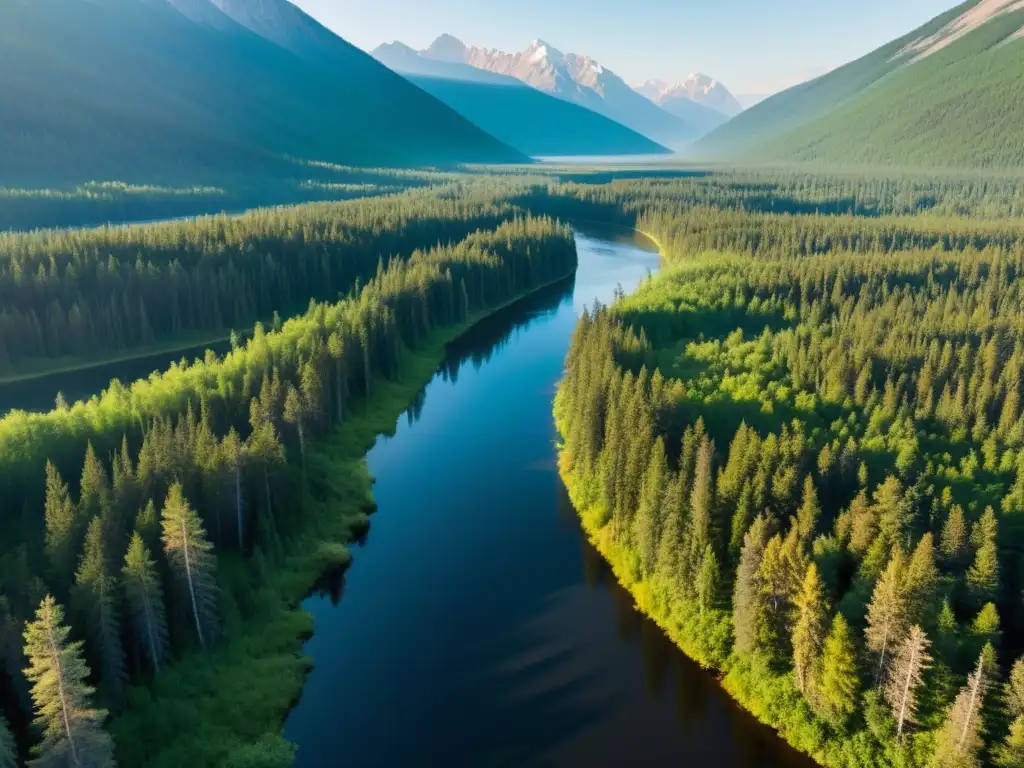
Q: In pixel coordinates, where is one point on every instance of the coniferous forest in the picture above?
(800, 445)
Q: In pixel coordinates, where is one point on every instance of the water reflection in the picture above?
(481, 628)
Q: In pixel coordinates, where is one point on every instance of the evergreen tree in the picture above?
(954, 537)
(701, 530)
(921, 582)
(809, 631)
(748, 603)
(983, 576)
(809, 512)
(905, 678)
(647, 522)
(708, 578)
(959, 741)
(233, 451)
(1010, 753)
(72, 730)
(191, 558)
(63, 531)
(837, 693)
(146, 601)
(95, 600)
(887, 616)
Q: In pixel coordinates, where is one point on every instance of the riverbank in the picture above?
(233, 700)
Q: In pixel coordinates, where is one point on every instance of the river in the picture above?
(477, 626)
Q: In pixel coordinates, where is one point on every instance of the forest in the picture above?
(820, 390)
(801, 447)
(149, 524)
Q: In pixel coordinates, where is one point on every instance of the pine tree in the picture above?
(94, 490)
(233, 450)
(700, 532)
(191, 558)
(72, 730)
(708, 578)
(809, 512)
(836, 696)
(146, 601)
(1010, 753)
(748, 605)
(96, 602)
(647, 522)
(809, 630)
(983, 575)
(921, 581)
(953, 544)
(63, 532)
(959, 742)
(887, 618)
(8, 749)
(905, 678)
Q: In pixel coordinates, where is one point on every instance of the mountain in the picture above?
(195, 90)
(697, 88)
(948, 95)
(574, 78)
(530, 120)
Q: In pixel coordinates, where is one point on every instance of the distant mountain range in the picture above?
(948, 95)
(528, 119)
(149, 90)
(699, 100)
(571, 77)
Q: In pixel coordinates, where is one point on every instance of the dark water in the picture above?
(41, 393)
(477, 627)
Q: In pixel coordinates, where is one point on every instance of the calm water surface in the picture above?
(477, 627)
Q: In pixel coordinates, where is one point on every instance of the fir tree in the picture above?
(836, 696)
(983, 575)
(701, 532)
(96, 602)
(809, 512)
(146, 601)
(72, 730)
(191, 558)
(748, 605)
(905, 678)
(63, 531)
(954, 537)
(809, 630)
(887, 617)
(708, 578)
(647, 522)
(921, 581)
(959, 742)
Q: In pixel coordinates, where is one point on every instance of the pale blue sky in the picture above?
(753, 46)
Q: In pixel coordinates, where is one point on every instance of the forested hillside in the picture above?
(162, 92)
(801, 449)
(945, 96)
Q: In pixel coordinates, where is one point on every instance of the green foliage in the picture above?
(840, 684)
(144, 593)
(72, 729)
(8, 749)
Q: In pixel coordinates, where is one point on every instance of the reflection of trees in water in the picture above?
(492, 334)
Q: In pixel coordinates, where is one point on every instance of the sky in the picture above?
(752, 46)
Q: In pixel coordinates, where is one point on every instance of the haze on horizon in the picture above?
(750, 46)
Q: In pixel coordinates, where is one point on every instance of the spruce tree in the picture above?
(96, 604)
(983, 575)
(191, 558)
(921, 581)
(747, 602)
(809, 631)
(233, 451)
(905, 676)
(887, 615)
(953, 543)
(708, 578)
(959, 742)
(647, 523)
(72, 730)
(63, 531)
(836, 696)
(146, 601)
(701, 530)
(809, 512)
(1010, 753)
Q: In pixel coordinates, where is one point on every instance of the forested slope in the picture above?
(153, 92)
(959, 106)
